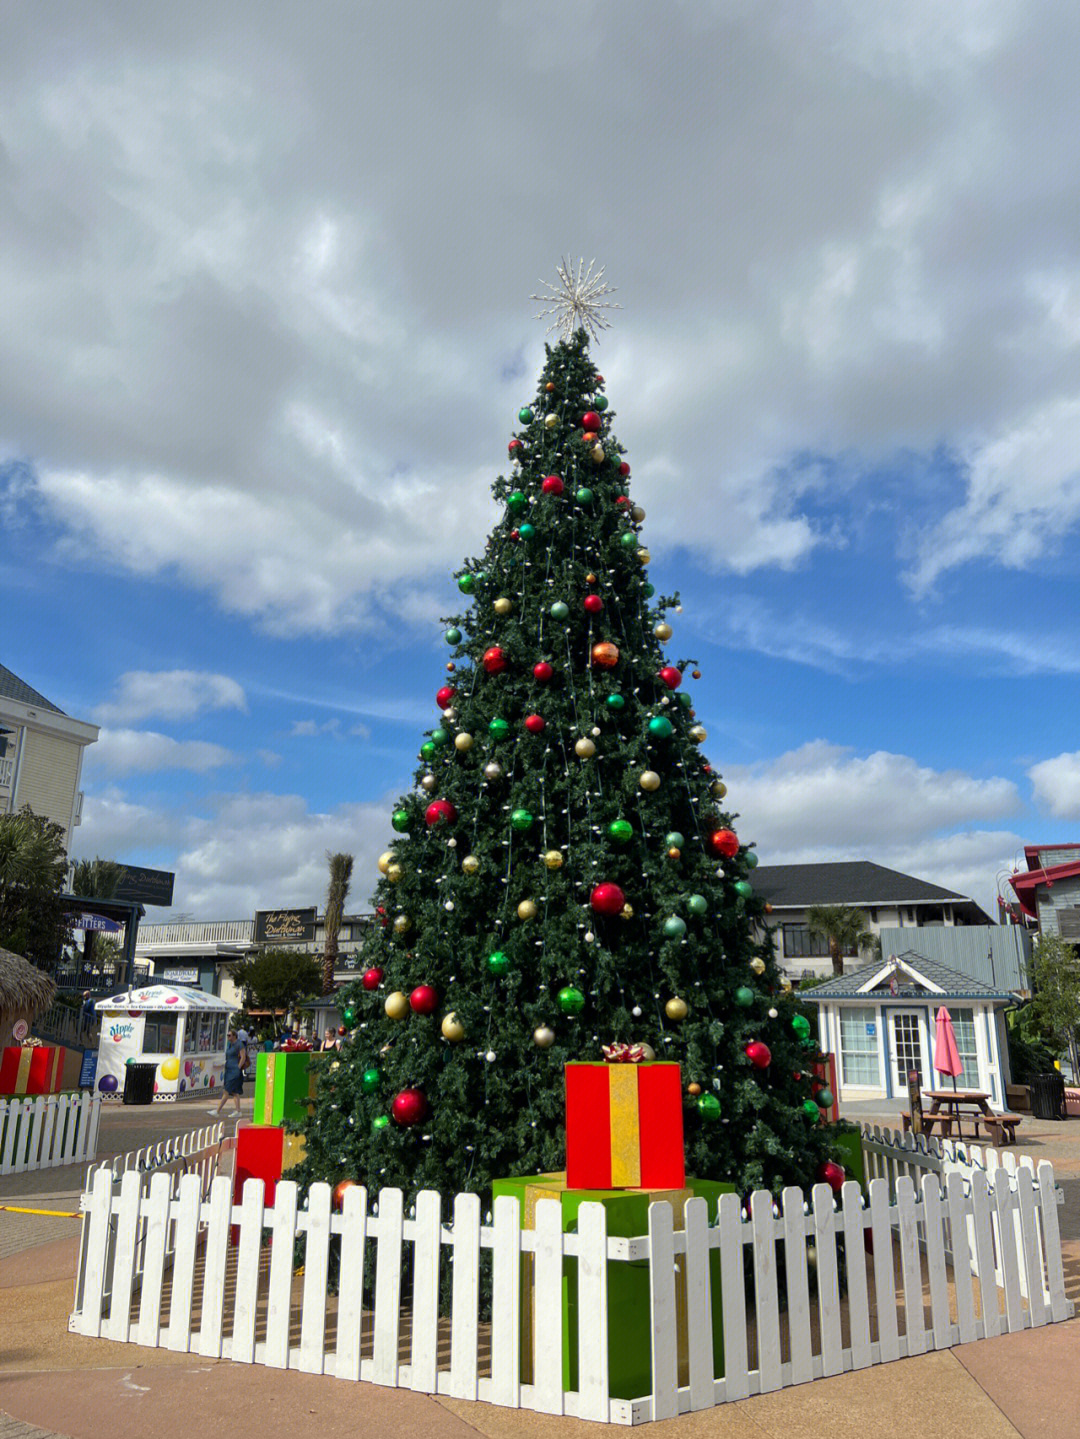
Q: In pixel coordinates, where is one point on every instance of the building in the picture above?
(41, 755)
(1049, 889)
(879, 1021)
(887, 899)
(997, 954)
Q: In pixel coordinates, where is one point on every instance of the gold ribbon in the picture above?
(625, 1127)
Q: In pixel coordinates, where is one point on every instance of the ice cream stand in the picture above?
(180, 1030)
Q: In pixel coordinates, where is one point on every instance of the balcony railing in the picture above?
(7, 773)
(222, 931)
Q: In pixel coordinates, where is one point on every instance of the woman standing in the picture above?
(232, 1085)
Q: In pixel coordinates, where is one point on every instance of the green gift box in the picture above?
(629, 1344)
(284, 1086)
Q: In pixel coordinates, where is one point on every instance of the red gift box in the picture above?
(36, 1069)
(259, 1154)
(624, 1126)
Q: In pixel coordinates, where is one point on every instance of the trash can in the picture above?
(139, 1083)
(1047, 1096)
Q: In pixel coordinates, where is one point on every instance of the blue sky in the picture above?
(268, 327)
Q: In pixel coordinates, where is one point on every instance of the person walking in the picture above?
(233, 1078)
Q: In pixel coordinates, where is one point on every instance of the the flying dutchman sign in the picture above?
(284, 926)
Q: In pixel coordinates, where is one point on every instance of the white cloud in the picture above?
(129, 751)
(308, 728)
(169, 694)
(1056, 785)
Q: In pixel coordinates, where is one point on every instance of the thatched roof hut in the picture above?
(25, 992)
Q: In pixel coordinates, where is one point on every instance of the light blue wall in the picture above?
(995, 955)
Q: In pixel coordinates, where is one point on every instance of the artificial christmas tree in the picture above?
(564, 875)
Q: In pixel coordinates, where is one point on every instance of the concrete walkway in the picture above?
(63, 1384)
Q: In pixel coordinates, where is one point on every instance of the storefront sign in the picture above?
(97, 923)
(181, 974)
(145, 886)
(284, 926)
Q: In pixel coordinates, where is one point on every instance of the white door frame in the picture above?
(899, 1082)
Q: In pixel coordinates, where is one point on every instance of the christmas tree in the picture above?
(564, 874)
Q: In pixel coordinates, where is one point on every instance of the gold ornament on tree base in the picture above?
(502, 606)
(385, 861)
(676, 1008)
(526, 909)
(584, 749)
(649, 781)
(397, 1005)
(543, 1037)
(470, 864)
(553, 859)
(758, 965)
(452, 1028)
(463, 742)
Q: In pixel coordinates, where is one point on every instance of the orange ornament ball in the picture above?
(696, 674)
(693, 1088)
(549, 387)
(339, 1191)
(605, 655)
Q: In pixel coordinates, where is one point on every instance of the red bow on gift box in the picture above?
(623, 1053)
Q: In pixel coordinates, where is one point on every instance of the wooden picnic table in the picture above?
(955, 1105)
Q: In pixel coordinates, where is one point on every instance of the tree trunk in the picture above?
(330, 953)
(836, 957)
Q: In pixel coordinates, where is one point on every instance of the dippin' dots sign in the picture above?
(120, 1031)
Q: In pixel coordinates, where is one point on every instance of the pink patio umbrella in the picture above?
(946, 1055)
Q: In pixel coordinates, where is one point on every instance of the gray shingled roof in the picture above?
(13, 688)
(953, 984)
(856, 881)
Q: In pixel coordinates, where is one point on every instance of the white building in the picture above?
(41, 755)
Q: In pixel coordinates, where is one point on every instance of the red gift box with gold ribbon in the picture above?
(624, 1126)
(35, 1069)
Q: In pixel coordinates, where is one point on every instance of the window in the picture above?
(191, 1033)
(859, 1046)
(799, 943)
(963, 1023)
(159, 1034)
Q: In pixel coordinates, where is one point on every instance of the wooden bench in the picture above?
(943, 1122)
(1001, 1128)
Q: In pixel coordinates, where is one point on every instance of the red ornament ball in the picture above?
(598, 380)
(623, 501)
(724, 842)
(340, 1187)
(607, 898)
(553, 485)
(593, 604)
(494, 660)
(542, 671)
(444, 696)
(832, 1174)
(423, 999)
(372, 978)
(410, 1106)
(342, 1030)
(624, 469)
(516, 449)
(440, 811)
(671, 676)
(759, 1055)
(590, 420)
(534, 724)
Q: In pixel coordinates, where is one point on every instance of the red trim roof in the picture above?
(1027, 884)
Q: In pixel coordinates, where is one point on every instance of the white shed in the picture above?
(183, 1031)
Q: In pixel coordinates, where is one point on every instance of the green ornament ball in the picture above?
(744, 888)
(709, 1107)
(824, 1099)
(584, 496)
(466, 583)
(628, 539)
(751, 859)
(348, 1016)
(571, 1000)
(525, 415)
(453, 636)
(521, 820)
(428, 750)
(400, 820)
(516, 502)
(686, 700)
(620, 830)
(801, 1025)
(369, 1081)
(660, 727)
(744, 996)
(810, 1109)
(559, 610)
(674, 927)
(674, 839)
(499, 728)
(498, 962)
(599, 403)
(380, 1122)
(648, 590)
(439, 737)
(697, 904)
(615, 702)
(527, 531)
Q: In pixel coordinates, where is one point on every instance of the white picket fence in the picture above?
(200, 1149)
(48, 1130)
(166, 1265)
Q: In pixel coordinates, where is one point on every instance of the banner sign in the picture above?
(96, 923)
(145, 886)
(284, 926)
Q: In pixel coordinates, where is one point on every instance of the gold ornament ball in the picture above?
(428, 782)
(385, 860)
(698, 733)
(393, 873)
(527, 909)
(676, 1008)
(463, 741)
(397, 1005)
(502, 606)
(649, 780)
(758, 965)
(584, 748)
(597, 453)
(694, 1088)
(543, 1037)
(553, 859)
(663, 630)
(590, 578)
(452, 1028)
(450, 667)
(785, 984)
(674, 853)
(637, 514)
(402, 924)
(647, 1052)
(550, 421)
(493, 770)
(627, 911)
(334, 1064)
(470, 864)
(718, 789)
(644, 556)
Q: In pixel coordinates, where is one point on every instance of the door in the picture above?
(907, 1047)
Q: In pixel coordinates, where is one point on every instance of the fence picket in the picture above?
(766, 1300)
(699, 1330)
(1006, 1218)
(424, 1359)
(984, 1254)
(279, 1291)
(350, 1319)
(316, 1270)
(959, 1211)
(186, 1241)
(249, 1251)
(934, 1231)
(884, 1281)
(217, 1251)
(99, 1204)
(506, 1303)
(592, 1271)
(1032, 1271)
(854, 1217)
(800, 1341)
(733, 1295)
(155, 1231)
(1060, 1307)
(465, 1297)
(662, 1318)
(910, 1268)
(547, 1336)
(44, 1159)
(388, 1230)
(126, 1214)
(828, 1283)
(9, 1124)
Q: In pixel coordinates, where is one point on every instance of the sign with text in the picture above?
(94, 923)
(284, 926)
(145, 886)
(180, 974)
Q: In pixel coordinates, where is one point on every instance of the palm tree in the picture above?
(843, 926)
(95, 879)
(337, 890)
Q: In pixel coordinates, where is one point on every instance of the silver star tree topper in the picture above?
(577, 300)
